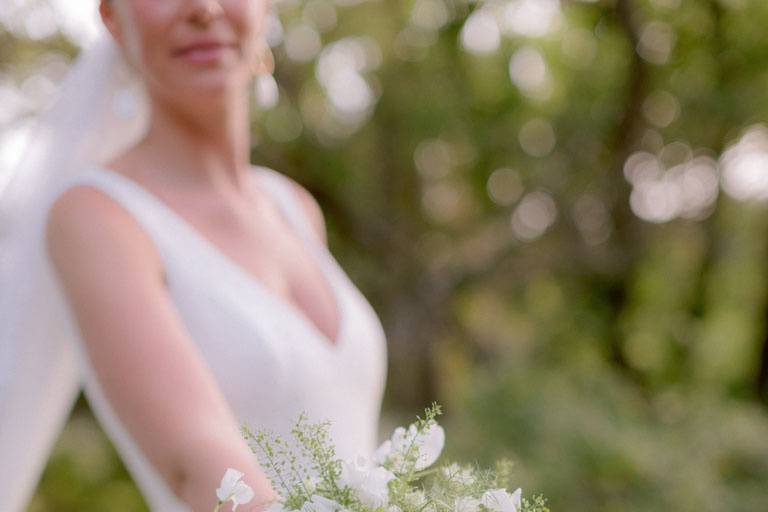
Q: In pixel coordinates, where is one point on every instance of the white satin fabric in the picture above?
(270, 361)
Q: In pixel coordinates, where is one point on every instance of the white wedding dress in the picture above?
(269, 359)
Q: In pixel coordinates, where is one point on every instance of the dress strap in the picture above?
(145, 208)
(165, 228)
(281, 190)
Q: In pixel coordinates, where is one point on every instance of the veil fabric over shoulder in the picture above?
(39, 380)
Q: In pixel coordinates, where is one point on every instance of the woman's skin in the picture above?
(195, 158)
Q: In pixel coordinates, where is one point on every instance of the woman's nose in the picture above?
(203, 12)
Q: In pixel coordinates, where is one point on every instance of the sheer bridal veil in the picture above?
(100, 109)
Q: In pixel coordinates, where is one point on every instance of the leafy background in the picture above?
(558, 209)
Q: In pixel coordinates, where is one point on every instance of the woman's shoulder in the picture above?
(84, 224)
(83, 204)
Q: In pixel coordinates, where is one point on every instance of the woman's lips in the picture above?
(203, 53)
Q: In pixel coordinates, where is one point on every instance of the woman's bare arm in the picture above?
(149, 368)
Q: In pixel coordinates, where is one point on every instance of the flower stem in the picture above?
(425, 472)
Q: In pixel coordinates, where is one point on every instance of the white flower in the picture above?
(318, 503)
(392, 449)
(393, 508)
(233, 488)
(428, 443)
(499, 500)
(415, 499)
(457, 474)
(466, 505)
(450, 470)
(369, 483)
(382, 452)
(431, 447)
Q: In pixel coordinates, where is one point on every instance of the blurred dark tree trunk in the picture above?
(625, 237)
(762, 374)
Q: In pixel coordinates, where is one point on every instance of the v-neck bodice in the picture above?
(270, 361)
(274, 183)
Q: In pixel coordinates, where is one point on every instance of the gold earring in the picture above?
(265, 60)
(265, 90)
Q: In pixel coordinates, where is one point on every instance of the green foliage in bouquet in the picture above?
(309, 477)
(285, 470)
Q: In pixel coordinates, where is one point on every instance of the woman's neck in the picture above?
(205, 147)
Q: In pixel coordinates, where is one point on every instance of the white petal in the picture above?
(228, 482)
(381, 475)
(430, 446)
(368, 483)
(322, 504)
(382, 452)
(243, 493)
(231, 477)
(499, 500)
(352, 474)
(399, 439)
(376, 488)
(362, 463)
(517, 499)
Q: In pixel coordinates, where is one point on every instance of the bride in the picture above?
(187, 291)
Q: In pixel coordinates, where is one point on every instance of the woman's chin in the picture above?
(208, 89)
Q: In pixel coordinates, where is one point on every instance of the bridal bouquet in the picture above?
(397, 478)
